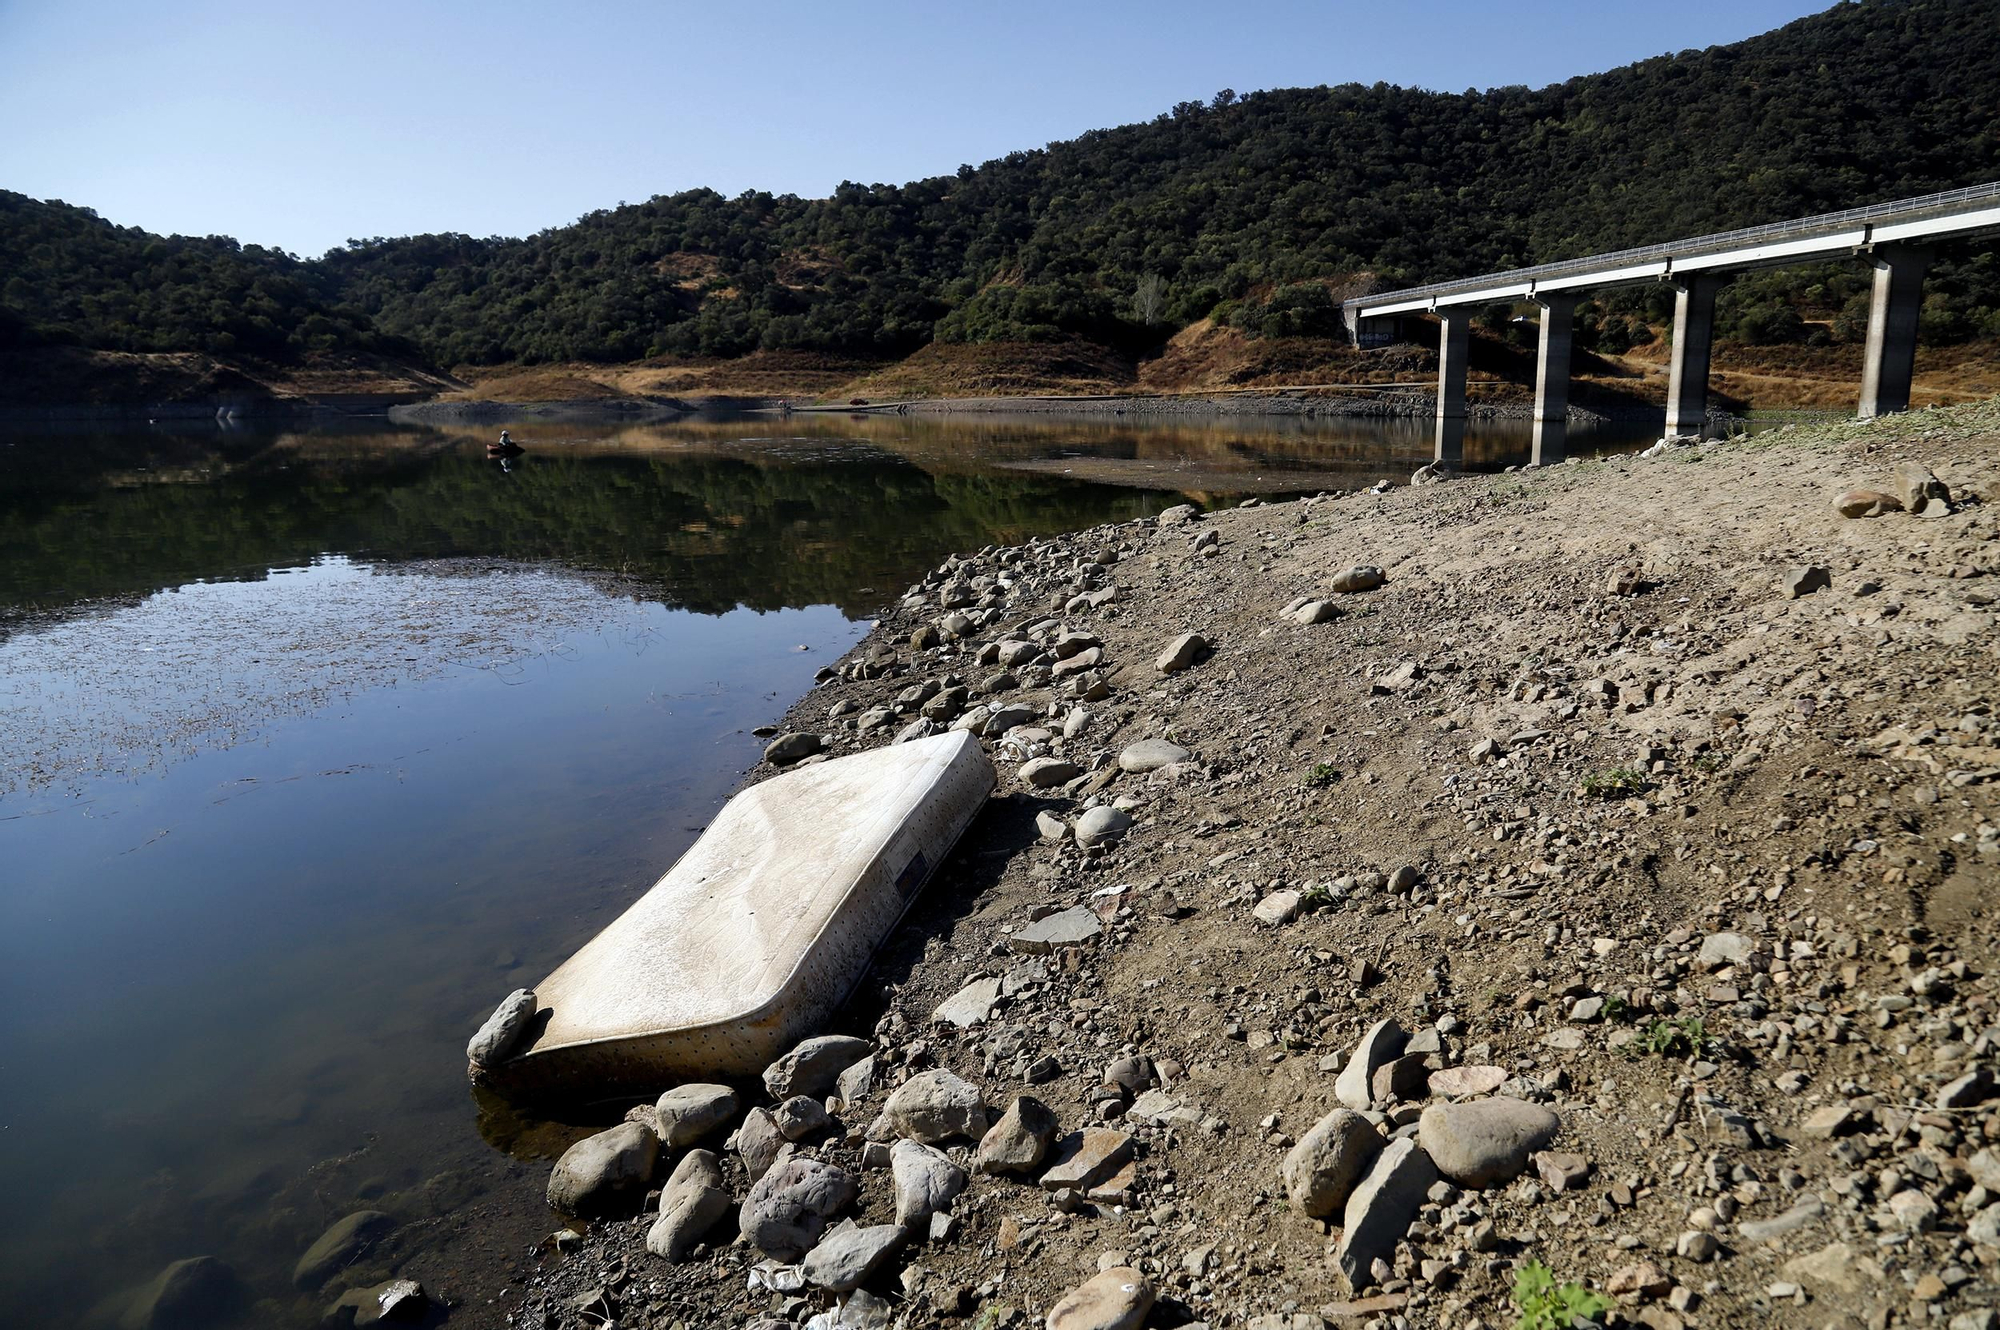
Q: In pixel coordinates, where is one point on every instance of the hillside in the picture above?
(1252, 212)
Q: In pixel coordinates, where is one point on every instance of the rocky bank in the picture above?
(1559, 894)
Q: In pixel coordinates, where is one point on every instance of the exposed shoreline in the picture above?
(1695, 863)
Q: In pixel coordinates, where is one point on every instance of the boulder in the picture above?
(346, 1242)
(814, 1066)
(1086, 1158)
(692, 1202)
(1048, 773)
(969, 1006)
(1866, 503)
(758, 1141)
(1278, 908)
(801, 1117)
(1355, 1086)
(789, 1207)
(1151, 755)
(1020, 1140)
(1458, 1082)
(845, 1258)
(1321, 1170)
(925, 1180)
(1361, 577)
(1100, 825)
(503, 1029)
(935, 1106)
(1485, 1142)
(606, 1172)
(687, 1113)
(1918, 487)
(795, 747)
(1805, 579)
(1380, 1208)
(1181, 653)
(392, 1300)
(1117, 1299)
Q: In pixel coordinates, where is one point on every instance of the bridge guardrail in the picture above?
(1897, 210)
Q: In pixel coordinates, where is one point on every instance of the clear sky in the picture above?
(302, 124)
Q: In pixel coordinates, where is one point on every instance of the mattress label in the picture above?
(913, 875)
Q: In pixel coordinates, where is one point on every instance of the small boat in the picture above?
(761, 931)
(504, 447)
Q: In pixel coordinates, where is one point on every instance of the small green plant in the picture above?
(1671, 1036)
(1547, 1305)
(1708, 763)
(1321, 776)
(1316, 897)
(1617, 1009)
(1617, 783)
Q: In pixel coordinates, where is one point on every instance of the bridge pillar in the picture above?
(1453, 324)
(1552, 379)
(1891, 357)
(1694, 337)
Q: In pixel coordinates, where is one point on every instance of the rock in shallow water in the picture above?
(187, 1293)
(605, 1172)
(341, 1245)
(503, 1029)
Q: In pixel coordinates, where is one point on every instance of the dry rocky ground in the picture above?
(1607, 891)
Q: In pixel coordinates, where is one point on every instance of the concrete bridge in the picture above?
(1894, 237)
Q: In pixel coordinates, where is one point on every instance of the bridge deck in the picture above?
(1954, 213)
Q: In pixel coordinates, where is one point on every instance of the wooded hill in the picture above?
(1257, 211)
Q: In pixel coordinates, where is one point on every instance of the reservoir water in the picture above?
(314, 743)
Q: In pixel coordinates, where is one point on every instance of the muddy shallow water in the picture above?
(313, 744)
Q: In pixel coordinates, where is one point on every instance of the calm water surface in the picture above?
(315, 743)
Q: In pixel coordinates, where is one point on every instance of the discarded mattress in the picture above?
(760, 932)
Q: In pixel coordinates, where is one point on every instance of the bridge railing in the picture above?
(1898, 210)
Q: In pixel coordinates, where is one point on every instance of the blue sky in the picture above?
(301, 125)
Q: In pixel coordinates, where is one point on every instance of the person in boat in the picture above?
(506, 442)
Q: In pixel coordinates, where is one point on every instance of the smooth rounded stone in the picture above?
(1380, 1208)
(1076, 721)
(1065, 928)
(801, 1116)
(1361, 577)
(1101, 824)
(503, 1029)
(935, 1106)
(391, 1300)
(1047, 773)
(1178, 515)
(794, 747)
(1151, 755)
(1074, 643)
(1016, 652)
(1117, 1299)
(788, 1208)
(1321, 1170)
(758, 1141)
(340, 1246)
(186, 1293)
(1181, 653)
(601, 1172)
(813, 1066)
(926, 1181)
(1278, 908)
(691, 1204)
(1355, 1086)
(845, 1258)
(947, 704)
(1020, 1140)
(1485, 1142)
(969, 1006)
(1460, 1082)
(1866, 503)
(1012, 716)
(1312, 613)
(687, 1113)
(1077, 664)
